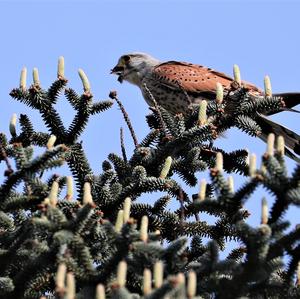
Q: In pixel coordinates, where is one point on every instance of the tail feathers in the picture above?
(292, 140)
(291, 99)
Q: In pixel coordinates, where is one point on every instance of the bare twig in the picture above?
(113, 95)
(182, 214)
(184, 92)
(157, 110)
(123, 145)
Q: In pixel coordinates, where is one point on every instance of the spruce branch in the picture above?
(102, 241)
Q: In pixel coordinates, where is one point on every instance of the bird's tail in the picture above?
(291, 99)
(292, 140)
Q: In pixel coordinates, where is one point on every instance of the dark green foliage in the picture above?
(37, 232)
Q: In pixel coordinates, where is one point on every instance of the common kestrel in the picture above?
(177, 85)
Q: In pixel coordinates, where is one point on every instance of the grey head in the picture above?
(133, 67)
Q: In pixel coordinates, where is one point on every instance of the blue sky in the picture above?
(262, 37)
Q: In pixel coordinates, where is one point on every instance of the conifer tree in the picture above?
(99, 242)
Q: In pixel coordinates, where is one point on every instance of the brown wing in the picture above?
(193, 78)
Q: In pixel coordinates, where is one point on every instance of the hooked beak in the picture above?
(118, 70)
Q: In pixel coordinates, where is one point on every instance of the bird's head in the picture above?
(133, 67)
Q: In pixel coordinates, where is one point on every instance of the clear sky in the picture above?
(262, 37)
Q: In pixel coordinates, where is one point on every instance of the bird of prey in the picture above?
(177, 85)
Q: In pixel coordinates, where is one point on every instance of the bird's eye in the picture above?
(126, 58)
